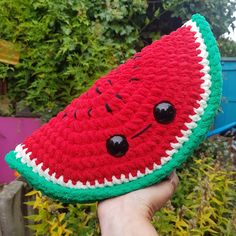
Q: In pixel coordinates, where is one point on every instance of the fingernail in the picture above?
(172, 175)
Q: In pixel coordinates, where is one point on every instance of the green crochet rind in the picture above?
(90, 195)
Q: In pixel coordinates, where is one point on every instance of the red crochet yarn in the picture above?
(73, 144)
(133, 126)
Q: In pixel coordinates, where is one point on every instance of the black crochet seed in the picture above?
(64, 115)
(108, 108)
(109, 81)
(98, 91)
(89, 112)
(117, 145)
(118, 96)
(75, 115)
(164, 112)
(134, 79)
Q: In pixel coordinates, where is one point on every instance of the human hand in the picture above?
(130, 214)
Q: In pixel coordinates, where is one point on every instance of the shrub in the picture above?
(56, 219)
(202, 205)
(227, 47)
(204, 202)
(65, 46)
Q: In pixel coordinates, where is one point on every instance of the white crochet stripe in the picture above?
(20, 150)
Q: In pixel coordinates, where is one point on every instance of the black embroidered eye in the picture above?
(164, 112)
(117, 145)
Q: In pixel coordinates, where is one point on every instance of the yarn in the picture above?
(75, 157)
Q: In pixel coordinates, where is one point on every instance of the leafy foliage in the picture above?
(227, 47)
(65, 46)
(166, 16)
(56, 219)
(202, 205)
(204, 202)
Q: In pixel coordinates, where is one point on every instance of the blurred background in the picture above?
(52, 51)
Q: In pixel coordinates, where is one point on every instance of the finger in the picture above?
(160, 193)
(174, 180)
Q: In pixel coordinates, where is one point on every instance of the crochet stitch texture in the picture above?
(69, 159)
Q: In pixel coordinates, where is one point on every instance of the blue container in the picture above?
(228, 103)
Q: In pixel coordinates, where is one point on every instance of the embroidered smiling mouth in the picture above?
(98, 176)
(142, 131)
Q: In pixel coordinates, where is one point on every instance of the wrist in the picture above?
(123, 219)
(116, 223)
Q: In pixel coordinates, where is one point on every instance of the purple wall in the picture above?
(12, 132)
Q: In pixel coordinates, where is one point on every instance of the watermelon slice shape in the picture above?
(134, 126)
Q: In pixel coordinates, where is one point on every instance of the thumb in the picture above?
(160, 193)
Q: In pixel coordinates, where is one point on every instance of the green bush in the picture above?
(227, 47)
(204, 203)
(55, 219)
(65, 46)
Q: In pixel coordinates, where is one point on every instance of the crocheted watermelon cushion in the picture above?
(134, 126)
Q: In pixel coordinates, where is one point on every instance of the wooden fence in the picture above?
(13, 209)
